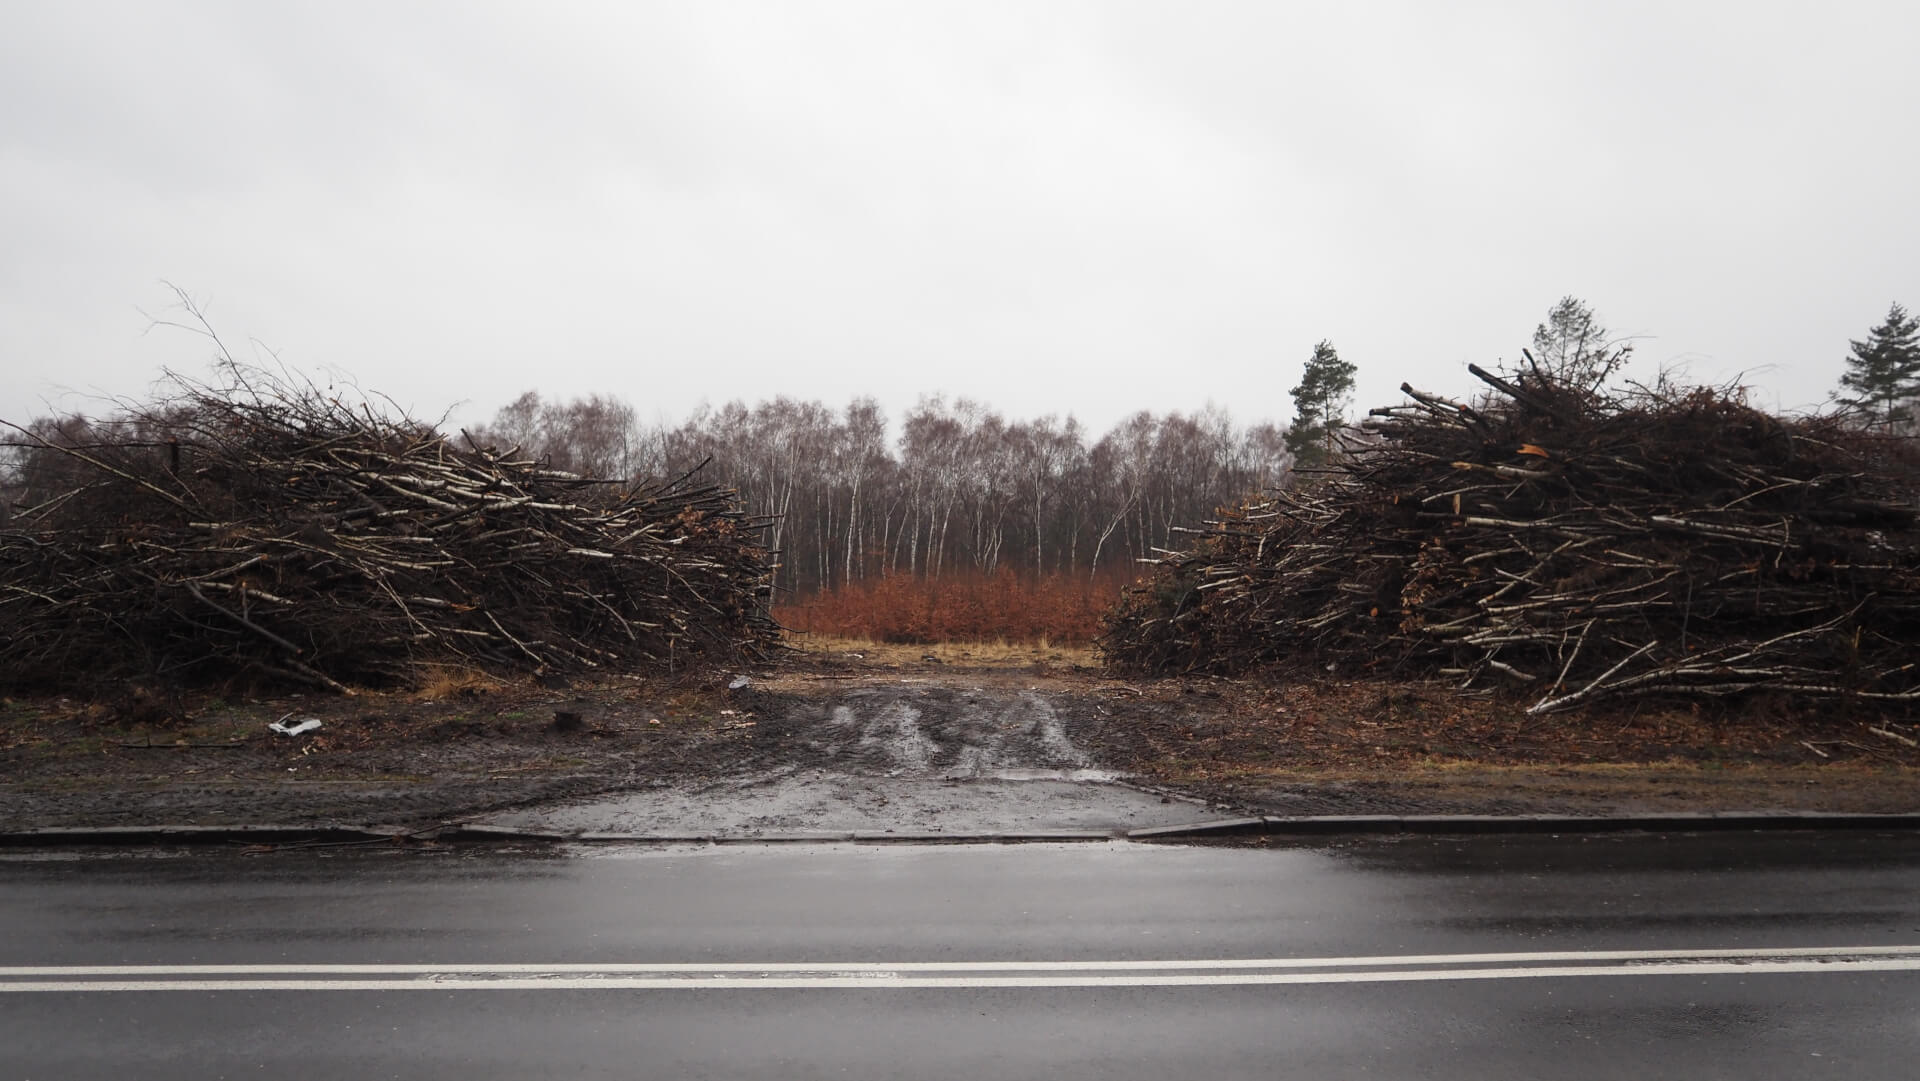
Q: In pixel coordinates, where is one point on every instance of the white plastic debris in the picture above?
(304, 724)
(740, 683)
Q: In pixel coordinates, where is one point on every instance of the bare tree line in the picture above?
(954, 487)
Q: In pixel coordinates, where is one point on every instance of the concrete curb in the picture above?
(58, 836)
(1265, 825)
(919, 837)
(1664, 822)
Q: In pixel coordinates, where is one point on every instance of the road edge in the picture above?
(275, 836)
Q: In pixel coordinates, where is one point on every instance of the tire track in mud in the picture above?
(945, 760)
(949, 733)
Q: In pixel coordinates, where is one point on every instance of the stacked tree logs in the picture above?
(1568, 545)
(268, 531)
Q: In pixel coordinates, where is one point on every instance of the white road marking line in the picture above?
(1199, 979)
(1200, 973)
(1196, 964)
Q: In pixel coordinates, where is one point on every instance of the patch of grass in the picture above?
(446, 683)
(221, 730)
(541, 764)
(994, 653)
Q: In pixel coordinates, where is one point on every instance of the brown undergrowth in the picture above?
(1003, 606)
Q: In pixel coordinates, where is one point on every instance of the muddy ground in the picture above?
(467, 746)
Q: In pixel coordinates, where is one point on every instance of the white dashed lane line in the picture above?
(1220, 972)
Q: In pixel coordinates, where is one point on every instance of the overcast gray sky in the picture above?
(1053, 207)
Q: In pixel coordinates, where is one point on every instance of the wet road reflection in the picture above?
(1081, 905)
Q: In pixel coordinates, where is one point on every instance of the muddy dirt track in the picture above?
(849, 719)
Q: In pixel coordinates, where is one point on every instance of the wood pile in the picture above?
(267, 531)
(1570, 546)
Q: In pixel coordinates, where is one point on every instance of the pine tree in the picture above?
(1320, 404)
(1884, 371)
(1572, 347)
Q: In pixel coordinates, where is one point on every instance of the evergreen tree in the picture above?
(1884, 371)
(1320, 404)
(1572, 348)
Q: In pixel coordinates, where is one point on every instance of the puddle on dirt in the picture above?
(1034, 801)
(1079, 776)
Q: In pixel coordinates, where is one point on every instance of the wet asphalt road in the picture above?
(1346, 960)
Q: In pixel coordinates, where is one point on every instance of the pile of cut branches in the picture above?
(265, 530)
(1569, 545)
